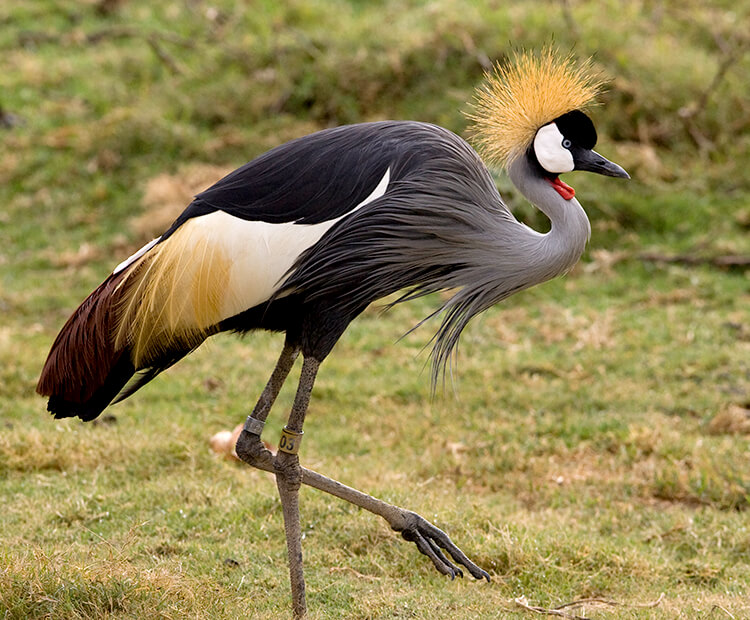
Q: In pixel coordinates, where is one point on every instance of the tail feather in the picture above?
(77, 372)
(120, 373)
(151, 312)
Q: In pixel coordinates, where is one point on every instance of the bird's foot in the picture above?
(431, 540)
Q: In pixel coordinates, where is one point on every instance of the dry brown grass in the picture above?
(97, 581)
(734, 419)
(166, 196)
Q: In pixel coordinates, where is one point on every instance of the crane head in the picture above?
(538, 97)
(533, 106)
(567, 144)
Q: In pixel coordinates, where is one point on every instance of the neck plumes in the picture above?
(558, 250)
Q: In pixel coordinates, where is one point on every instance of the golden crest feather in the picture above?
(522, 95)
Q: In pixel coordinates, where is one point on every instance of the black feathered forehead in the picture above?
(578, 128)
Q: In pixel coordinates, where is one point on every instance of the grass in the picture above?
(596, 445)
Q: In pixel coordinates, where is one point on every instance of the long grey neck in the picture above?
(559, 249)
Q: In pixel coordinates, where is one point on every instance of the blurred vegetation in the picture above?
(98, 96)
(600, 444)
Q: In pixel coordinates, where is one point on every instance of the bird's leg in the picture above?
(249, 446)
(430, 540)
(289, 478)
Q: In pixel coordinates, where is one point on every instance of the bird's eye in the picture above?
(567, 143)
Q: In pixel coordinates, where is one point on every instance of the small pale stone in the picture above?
(221, 442)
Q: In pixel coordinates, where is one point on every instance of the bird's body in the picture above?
(303, 238)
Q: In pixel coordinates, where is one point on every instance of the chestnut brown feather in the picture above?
(83, 354)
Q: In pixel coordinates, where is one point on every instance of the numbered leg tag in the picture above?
(290, 441)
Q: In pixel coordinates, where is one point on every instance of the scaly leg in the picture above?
(289, 478)
(428, 538)
(249, 447)
(414, 528)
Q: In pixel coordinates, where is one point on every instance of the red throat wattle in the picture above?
(565, 190)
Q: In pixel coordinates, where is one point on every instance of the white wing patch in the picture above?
(262, 254)
(211, 268)
(550, 152)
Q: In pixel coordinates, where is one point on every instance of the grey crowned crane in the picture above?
(302, 239)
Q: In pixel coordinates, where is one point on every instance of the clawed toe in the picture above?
(431, 540)
(432, 551)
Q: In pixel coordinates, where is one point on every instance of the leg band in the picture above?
(290, 441)
(254, 425)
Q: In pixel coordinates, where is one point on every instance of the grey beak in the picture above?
(593, 162)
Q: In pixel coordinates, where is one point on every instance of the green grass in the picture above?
(580, 455)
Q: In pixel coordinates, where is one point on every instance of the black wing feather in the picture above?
(309, 180)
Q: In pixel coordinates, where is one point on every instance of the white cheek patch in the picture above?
(550, 152)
